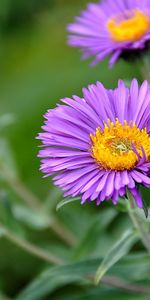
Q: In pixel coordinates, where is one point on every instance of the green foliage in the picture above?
(66, 201)
(82, 275)
(120, 249)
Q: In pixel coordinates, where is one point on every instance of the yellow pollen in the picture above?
(114, 147)
(131, 28)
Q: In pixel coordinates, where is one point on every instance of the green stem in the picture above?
(31, 248)
(144, 64)
(22, 191)
(121, 284)
(137, 222)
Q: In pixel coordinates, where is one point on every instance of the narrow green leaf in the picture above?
(57, 277)
(99, 293)
(120, 249)
(66, 201)
(31, 218)
(6, 213)
(89, 242)
(128, 267)
(145, 209)
(143, 214)
(122, 204)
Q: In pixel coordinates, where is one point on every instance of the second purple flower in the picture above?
(110, 28)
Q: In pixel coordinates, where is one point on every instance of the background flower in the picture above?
(99, 144)
(110, 28)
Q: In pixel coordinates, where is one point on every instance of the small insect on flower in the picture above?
(110, 28)
(98, 146)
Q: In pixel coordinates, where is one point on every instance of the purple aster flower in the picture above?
(98, 146)
(111, 28)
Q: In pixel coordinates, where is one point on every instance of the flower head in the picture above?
(110, 28)
(98, 146)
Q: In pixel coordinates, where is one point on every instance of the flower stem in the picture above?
(31, 248)
(121, 284)
(137, 222)
(144, 64)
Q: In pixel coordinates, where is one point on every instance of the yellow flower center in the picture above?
(114, 146)
(131, 29)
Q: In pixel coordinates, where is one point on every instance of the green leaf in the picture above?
(66, 201)
(57, 277)
(128, 268)
(122, 204)
(120, 249)
(142, 214)
(54, 195)
(89, 242)
(99, 293)
(30, 217)
(6, 214)
(145, 209)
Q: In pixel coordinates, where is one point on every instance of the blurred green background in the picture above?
(38, 68)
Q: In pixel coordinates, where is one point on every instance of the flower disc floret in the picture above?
(133, 26)
(114, 146)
